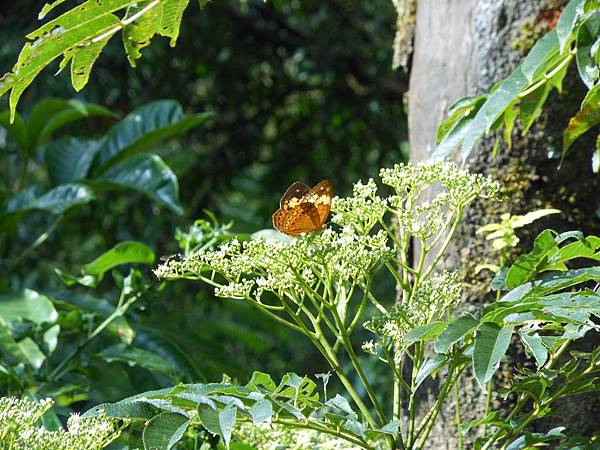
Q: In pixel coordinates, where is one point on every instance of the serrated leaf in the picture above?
(171, 18)
(139, 34)
(74, 29)
(491, 343)
(164, 431)
(147, 174)
(454, 332)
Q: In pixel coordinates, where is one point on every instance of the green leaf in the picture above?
(143, 128)
(69, 159)
(596, 157)
(526, 219)
(139, 34)
(430, 365)
(454, 332)
(32, 352)
(535, 345)
(51, 114)
(586, 118)
(491, 343)
(27, 304)
(147, 174)
(17, 129)
(129, 252)
(261, 411)
(566, 22)
(462, 108)
(586, 38)
(171, 18)
(216, 422)
(130, 408)
(425, 332)
(164, 431)
(55, 201)
(530, 107)
(527, 266)
(134, 356)
(48, 7)
(72, 31)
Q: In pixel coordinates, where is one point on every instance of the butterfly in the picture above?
(302, 209)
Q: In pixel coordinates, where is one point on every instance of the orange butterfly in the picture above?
(302, 209)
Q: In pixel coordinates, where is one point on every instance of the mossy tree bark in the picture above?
(462, 47)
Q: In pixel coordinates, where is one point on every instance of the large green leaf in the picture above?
(55, 201)
(164, 431)
(134, 356)
(145, 173)
(51, 114)
(27, 304)
(424, 332)
(586, 118)
(143, 128)
(123, 253)
(491, 343)
(69, 159)
(535, 345)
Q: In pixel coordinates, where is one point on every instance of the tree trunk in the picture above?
(463, 47)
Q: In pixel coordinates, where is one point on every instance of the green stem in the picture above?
(121, 308)
(358, 367)
(459, 433)
(35, 244)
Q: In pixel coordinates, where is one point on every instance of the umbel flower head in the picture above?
(323, 265)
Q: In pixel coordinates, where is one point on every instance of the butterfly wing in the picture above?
(294, 195)
(302, 209)
(324, 193)
(303, 218)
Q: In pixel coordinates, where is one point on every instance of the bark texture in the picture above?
(463, 47)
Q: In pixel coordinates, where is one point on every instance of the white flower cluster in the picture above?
(277, 437)
(251, 268)
(430, 302)
(362, 211)
(18, 418)
(424, 219)
(461, 185)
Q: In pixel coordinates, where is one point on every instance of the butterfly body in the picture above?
(302, 209)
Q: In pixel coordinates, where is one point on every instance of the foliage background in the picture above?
(300, 90)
